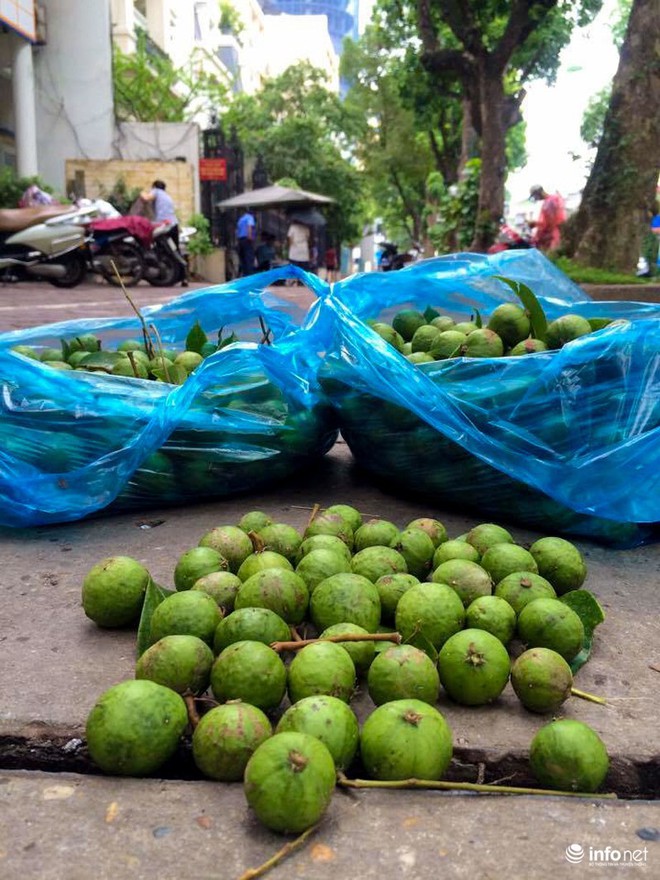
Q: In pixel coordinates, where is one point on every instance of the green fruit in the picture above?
(27, 351)
(433, 528)
(188, 613)
(447, 344)
(225, 739)
(324, 542)
(407, 321)
(85, 342)
(375, 533)
(318, 565)
(406, 739)
(329, 720)
(282, 539)
(419, 357)
(469, 579)
(231, 543)
(403, 672)
(345, 598)
(560, 562)
(566, 329)
(289, 781)
(135, 727)
(503, 559)
(522, 587)
(351, 516)
(423, 339)
(182, 663)
(417, 549)
(361, 653)
(222, 586)
(549, 623)
(132, 368)
(374, 562)
(474, 667)
(569, 756)
(389, 334)
(249, 671)
(390, 589)
(330, 524)
(130, 345)
(76, 358)
(511, 323)
(261, 561)
(465, 327)
(454, 549)
(483, 343)
(542, 679)
(528, 346)
(253, 521)
(51, 354)
(195, 563)
(321, 668)
(485, 535)
(113, 591)
(189, 360)
(283, 592)
(494, 615)
(250, 624)
(443, 322)
(62, 365)
(432, 610)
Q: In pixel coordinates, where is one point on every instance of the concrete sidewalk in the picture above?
(56, 663)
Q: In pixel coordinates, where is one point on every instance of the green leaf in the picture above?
(196, 338)
(66, 349)
(101, 360)
(174, 374)
(537, 319)
(153, 596)
(477, 319)
(228, 341)
(591, 614)
(430, 313)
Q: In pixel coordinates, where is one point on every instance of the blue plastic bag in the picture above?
(560, 441)
(72, 444)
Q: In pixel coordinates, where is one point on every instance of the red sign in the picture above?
(213, 169)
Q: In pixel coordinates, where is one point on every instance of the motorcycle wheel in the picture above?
(76, 269)
(128, 259)
(169, 270)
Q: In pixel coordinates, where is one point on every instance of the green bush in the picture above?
(13, 187)
(200, 244)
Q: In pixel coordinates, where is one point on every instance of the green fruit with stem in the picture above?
(222, 586)
(474, 667)
(329, 720)
(226, 737)
(254, 521)
(403, 672)
(361, 653)
(345, 598)
(542, 680)
(494, 615)
(375, 533)
(503, 559)
(484, 535)
(189, 613)
(511, 323)
(250, 624)
(390, 589)
(454, 549)
(282, 591)
(251, 672)
(417, 549)
(549, 623)
(468, 579)
(317, 565)
(560, 562)
(260, 561)
(289, 781)
(522, 587)
(434, 611)
(230, 542)
(182, 663)
(406, 739)
(195, 563)
(374, 562)
(321, 668)
(282, 539)
(351, 516)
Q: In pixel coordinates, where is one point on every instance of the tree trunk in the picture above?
(614, 215)
(469, 137)
(493, 156)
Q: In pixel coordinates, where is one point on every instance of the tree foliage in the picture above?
(304, 132)
(149, 88)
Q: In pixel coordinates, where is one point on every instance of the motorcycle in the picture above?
(165, 265)
(391, 259)
(509, 238)
(32, 247)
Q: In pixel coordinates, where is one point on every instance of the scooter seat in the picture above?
(15, 219)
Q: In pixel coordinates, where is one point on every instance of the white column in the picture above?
(25, 117)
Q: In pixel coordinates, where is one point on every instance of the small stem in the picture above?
(346, 637)
(280, 855)
(257, 541)
(131, 360)
(295, 636)
(159, 343)
(313, 514)
(654, 668)
(591, 697)
(461, 786)
(145, 333)
(265, 338)
(193, 714)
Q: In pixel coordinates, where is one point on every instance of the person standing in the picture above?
(546, 234)
(162, 207)
(298, 237)
(245, 234)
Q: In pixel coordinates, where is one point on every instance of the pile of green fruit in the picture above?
(408, 612)
(139, 359)
(423, 337)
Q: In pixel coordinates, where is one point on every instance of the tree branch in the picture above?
(525, 17)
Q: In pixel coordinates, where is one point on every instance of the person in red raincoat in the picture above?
(547, 235)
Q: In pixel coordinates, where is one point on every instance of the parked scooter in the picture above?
(31, 247)
(165, 265)
(510, 238)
